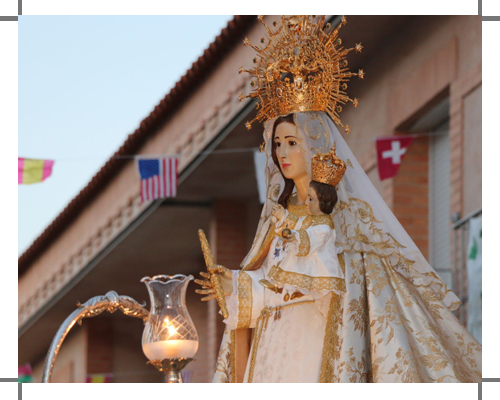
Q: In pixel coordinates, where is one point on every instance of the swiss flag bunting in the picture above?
(390, 153)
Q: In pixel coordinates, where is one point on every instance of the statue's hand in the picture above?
(221, 270)
(207, 286)
(278, 211)
(289, 237)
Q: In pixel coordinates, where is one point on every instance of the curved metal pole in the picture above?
(95, 306)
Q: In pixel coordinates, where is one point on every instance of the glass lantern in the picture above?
(169, 340)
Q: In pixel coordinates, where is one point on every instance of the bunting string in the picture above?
(229, 151)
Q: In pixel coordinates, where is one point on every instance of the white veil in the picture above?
(363, 221)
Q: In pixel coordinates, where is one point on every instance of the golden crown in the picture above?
(301, 67)
(327, 168)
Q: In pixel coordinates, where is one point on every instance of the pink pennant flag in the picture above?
(25, 373)
(24, 369)
(33, 171)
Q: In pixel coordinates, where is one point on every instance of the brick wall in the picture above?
(460, 182)
(229, 233)
(229, 238)
(129, 361)
(201, 368)
(71, 362)
(100, 344)
(411, 193)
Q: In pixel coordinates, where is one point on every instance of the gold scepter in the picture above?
(214, 270)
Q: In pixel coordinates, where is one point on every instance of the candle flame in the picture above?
(172, 330)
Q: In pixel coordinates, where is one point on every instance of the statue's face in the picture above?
(312, 202)
(289, 151)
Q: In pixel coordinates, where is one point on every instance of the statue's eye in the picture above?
(292, 142)
(278, 144)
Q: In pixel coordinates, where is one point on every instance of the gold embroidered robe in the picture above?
(386, 328)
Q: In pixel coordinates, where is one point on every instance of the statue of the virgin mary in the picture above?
(391, 318)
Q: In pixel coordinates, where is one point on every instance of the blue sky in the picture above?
(85, 83)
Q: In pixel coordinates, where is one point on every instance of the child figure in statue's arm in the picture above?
(321, 199)
(307, 254)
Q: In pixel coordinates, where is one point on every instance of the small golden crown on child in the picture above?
(327, 168)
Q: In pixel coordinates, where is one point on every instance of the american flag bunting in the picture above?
(158, 177)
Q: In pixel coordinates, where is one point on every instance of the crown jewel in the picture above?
(301, 67)
(327, 168)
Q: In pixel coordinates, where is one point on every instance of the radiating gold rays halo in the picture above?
(301, 65)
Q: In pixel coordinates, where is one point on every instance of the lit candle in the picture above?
(170, 349)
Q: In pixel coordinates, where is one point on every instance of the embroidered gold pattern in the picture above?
(376, 278)
(358, 272)
(442, 354)
(331, 342)
(388, 249)
(307, 222)
(244, 299)
(359, 371)
(385, 320)
(437, 357)
(299, 211)
(406, 367)
(315, 220)
(290, 222)
(305, 281)
(264, 247)
(261, 326)
(314, 132)
(232, 350)
(455, 305)
(224, 361)
(342, 262)
(304, 244)
(377, 368)
(359, 314)
(276, 191)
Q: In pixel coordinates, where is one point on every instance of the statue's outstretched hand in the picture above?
(207, 286)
